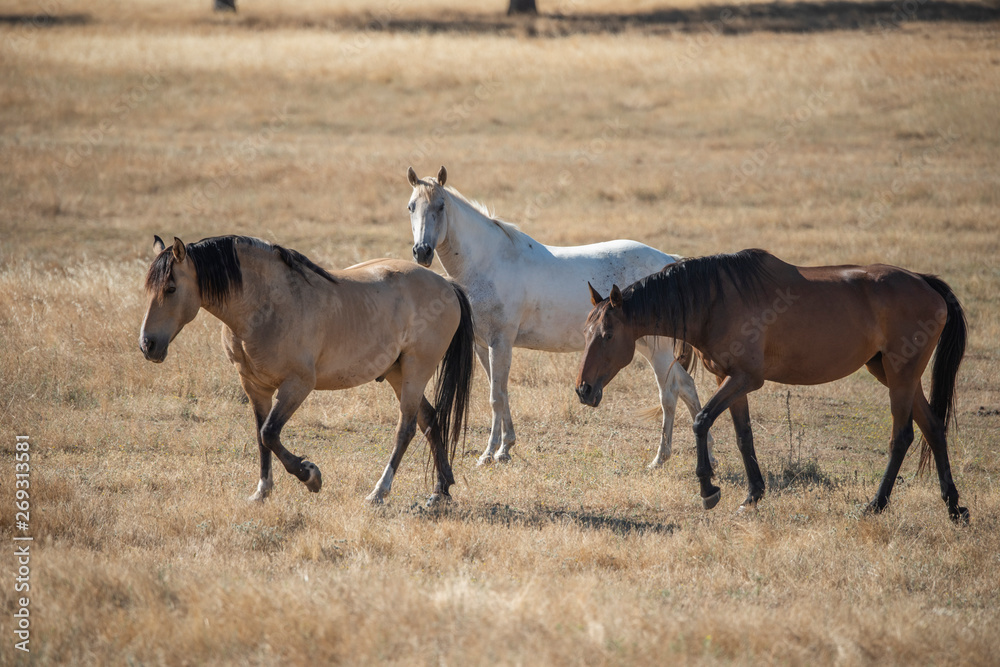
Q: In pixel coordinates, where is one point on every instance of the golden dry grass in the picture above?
(158, 119)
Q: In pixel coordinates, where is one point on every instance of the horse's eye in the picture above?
(606, 335)
(170, 290)
(411, 207)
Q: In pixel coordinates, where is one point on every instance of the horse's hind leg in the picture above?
(901, 405)
(427, 422)
(289, 397)
(740, 412)
(934, 434)
(410, 396)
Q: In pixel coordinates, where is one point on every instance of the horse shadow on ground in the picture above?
(541, 516)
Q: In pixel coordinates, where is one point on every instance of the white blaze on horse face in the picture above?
(428, 220)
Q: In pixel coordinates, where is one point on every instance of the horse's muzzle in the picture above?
(423, 253)
(151, 350)
(589, 394)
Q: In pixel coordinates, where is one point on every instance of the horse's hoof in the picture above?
(484, 460)
(376, 497)
(873, 508)
(438, 500)
(960, 515)
(502, 457)
(654, 464)
(315, 480)
(257, 497)
(712, 500)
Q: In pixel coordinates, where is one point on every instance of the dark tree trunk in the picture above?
(521, 7)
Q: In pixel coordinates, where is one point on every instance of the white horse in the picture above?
(526, 294)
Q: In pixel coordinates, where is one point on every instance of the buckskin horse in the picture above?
(291, 327)
(754, 317)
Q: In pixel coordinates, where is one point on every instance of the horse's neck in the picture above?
(260, 271)
(653, 321)
(471, 242)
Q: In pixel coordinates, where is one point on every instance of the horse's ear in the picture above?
(595, 296)
(442, 175)
(180, 252)
(411, 176)
(616, 297)
(158, 245)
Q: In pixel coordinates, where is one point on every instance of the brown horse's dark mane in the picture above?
(217, 266)
(683, 290)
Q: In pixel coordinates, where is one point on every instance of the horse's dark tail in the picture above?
(947, 358)
(454, 381)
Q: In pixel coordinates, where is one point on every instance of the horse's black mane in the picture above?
(218, 266)
(686, 287)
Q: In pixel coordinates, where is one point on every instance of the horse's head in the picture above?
(610, 346)
(174, 298)
(427, 214)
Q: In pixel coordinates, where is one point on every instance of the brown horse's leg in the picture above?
(289, 397)
(426, 420)
(901, 404)
(934, 433)
(740, 412)
(730, 389)
(406, 427)
(261, 403)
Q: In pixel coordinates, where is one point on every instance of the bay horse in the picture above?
(530, 295)
(290, 327)
(754, 317)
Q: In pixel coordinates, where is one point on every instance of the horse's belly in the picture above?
(551, 330)
(814, 369)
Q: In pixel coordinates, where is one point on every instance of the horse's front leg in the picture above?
(730, 390)
(260, 409)
(502, 436)
(288, 398)
(673, 382)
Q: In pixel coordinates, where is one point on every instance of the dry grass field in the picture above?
(875, 142)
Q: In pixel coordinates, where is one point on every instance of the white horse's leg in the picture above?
(661, 359)
(689, 394)
(502, 435)
(673, 382)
